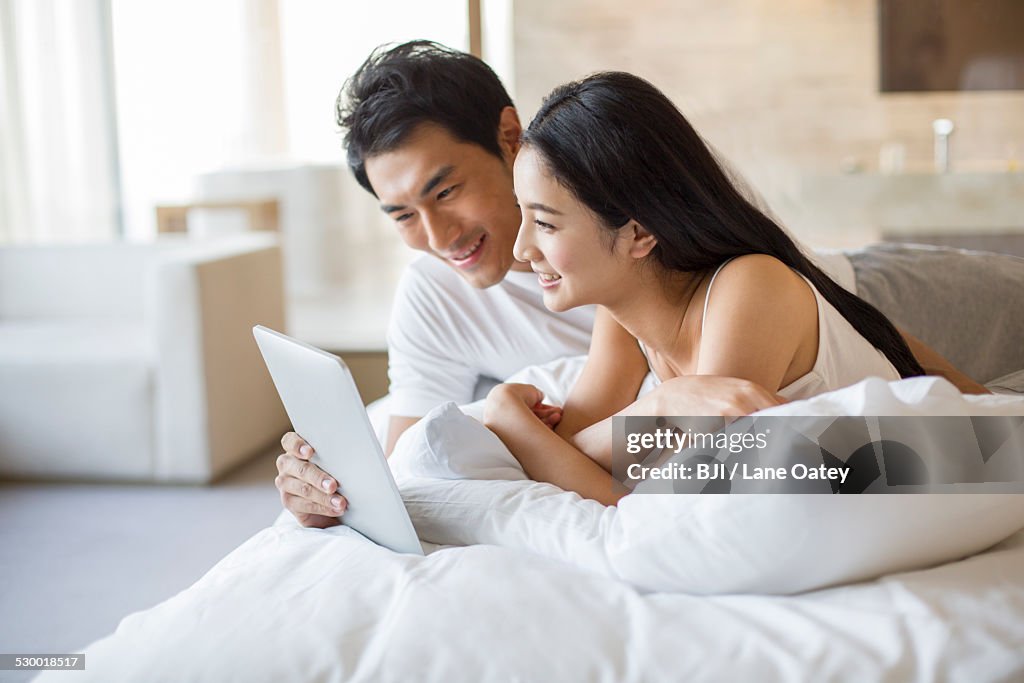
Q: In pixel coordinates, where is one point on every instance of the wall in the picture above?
(786, 89)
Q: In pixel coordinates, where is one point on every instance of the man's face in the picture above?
(452, 199)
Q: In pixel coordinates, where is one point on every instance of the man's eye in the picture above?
(403, 218)
(445, 192)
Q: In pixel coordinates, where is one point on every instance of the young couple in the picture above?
(613, 199)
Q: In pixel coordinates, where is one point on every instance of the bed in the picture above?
(524, 582)
(294, 604)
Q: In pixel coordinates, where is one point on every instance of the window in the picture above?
(112, 106)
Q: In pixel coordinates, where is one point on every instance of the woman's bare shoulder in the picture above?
(761, 316)
(763, 288)
(760, 278)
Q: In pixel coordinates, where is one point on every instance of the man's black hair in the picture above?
(401, 87)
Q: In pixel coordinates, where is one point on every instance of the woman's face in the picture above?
(577, 260)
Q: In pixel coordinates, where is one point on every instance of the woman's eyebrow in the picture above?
(543, 207)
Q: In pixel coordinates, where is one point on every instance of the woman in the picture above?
(624, 206)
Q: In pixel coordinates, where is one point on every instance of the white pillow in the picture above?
(448, 444)
(555, 379)
(708, 544)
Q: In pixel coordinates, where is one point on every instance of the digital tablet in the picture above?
(325, 409)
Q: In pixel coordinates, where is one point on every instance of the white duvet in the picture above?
(540, 602)
(294, 604)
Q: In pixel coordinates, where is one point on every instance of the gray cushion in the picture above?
(1012, 384)
(967, 305)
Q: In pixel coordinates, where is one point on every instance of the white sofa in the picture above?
(132, 361)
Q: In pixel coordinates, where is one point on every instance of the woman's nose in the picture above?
(524, 249)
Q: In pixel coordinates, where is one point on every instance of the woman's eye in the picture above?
(542, 225)
(403, 218)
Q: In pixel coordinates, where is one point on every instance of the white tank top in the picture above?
(844, 357)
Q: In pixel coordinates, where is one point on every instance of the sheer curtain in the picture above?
(109, 107)
(324, 41)
(198, 88)
(58, 141)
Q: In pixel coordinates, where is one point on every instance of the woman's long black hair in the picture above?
(618, 144)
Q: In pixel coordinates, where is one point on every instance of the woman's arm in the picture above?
(610, 380)
(934, 364)
(689, 395)
(544, 455)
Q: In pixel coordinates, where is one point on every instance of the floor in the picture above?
(76, 558)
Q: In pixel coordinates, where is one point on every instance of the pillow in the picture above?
(1008, 384)
(708, 544)
(448, 444)
(836, 265)
(967, 305)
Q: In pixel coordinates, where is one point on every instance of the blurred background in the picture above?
(218, 116)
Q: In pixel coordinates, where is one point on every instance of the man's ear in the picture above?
(509, 132)
(641, 241)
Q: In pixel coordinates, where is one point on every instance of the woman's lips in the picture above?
(548, 280)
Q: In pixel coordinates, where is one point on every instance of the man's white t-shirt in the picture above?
(445, 335)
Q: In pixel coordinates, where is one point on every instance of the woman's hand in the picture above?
(686, 396)
(506, 398)
(710, 395)
(511, 412)
(548, 414)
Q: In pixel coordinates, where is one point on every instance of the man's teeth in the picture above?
(547, 277)
(469, 252)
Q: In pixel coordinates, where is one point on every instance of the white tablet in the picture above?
(325, 409)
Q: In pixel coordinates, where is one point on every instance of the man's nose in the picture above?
(442, 231)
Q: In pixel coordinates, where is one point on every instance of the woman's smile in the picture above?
(548, 280)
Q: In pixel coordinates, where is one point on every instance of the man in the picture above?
(433, 134)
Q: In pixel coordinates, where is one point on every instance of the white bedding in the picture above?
(739, 543)
(294, 604)
(309, 605)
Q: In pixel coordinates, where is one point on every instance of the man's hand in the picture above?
(307, 491)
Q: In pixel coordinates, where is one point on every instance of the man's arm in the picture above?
(427, 353)
(397, 425)
(934, 364)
